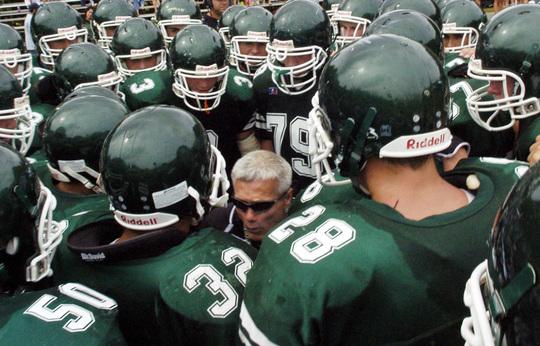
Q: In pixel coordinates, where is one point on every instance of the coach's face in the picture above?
(260, 206)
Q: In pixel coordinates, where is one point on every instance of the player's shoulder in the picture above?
(318, 193)
(208, 241)
(500, 169)
(147, 88)
(262, 80)
(239, 86)
(68, 314)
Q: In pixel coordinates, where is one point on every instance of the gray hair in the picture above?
(263, 165)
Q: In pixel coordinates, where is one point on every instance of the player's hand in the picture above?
(467, 53)
(534, 152)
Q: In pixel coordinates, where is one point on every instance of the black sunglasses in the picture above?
(257, 207)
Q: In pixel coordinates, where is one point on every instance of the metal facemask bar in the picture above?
(247, 64)
(294, 80)
(22, 135)
(105, 39)
(224, 32)
(220, 182)
(175, 20)
(71, 169)
(469, 37)
(513, 102)
(48, 55)
(48, 237)
(109, 80)
(13, 58)
(321, 145)
(360, 23)
(201, 101)
(161, 63)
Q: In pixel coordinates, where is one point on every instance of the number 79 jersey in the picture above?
(70, 314)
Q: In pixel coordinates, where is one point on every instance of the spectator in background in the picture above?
(262, 196)
(216, 9)
(137, 4)
(88, 18)
(28, 40)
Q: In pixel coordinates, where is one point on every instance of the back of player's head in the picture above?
(373, 105)
(157, 167)
(28, 235)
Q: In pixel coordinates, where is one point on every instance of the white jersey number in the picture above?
(81, 318)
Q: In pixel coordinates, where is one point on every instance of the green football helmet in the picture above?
(299, 28)
(225, 21)
(109, 14)
(96, 90)
(464, 19)
(507, 55)
(249, 26)
(54, 26)
(138, 40)
(17, 124)
(426, 7)
(330, 6)
(174, 15)
(502, 293)
(356, 15)
(198, 52)
(371, 105)
(410, 24)
(153, 183)
(28, 235)
(14, 57)
(85, 64)
(73, 137)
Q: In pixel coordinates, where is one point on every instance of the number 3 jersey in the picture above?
(70, 314)
(195, 283)
(345, 270)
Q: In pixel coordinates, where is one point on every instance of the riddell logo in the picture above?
(139, 222)
(90, 257)
(427, 142)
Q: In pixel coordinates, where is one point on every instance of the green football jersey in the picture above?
(353, 271)
(148, 88)
(70, 314)
(283, 119)
(170, 289)
(37, 75)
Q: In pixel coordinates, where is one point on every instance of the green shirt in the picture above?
(352, 271)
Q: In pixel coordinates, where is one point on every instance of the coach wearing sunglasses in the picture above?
(262, 196)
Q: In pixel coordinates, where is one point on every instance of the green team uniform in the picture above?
(482, 141)
(529, 129)
(148, 88)
(233, 115)
(69, 314)
(196, 282)
(351, 271)
(38, 74)
(283, 119)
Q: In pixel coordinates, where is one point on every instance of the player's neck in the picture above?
(415, 193)
(75, 188)
(183, 226)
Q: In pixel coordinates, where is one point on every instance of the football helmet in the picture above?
(299, 29)
(330, 6)
(502, 293)
(52, 25)
(14, 57)
(225, 21)
(73, 137)
(17, 124)
(109, 14)
(150, 191)
(357, 115)
(249, 26)
(357, 14)
(426, 7)
(462, 18)
(507, 55)
(85, 64)
(411, 24)
(138, 39)
(198, 53)
(174, 15)
(96, 90)
(28, 234)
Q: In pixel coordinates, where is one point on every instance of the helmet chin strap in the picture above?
(60, 176)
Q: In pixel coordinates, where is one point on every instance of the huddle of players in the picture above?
(374, 129)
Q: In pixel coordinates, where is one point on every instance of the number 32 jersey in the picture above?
(70, 314)
(346, 270)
